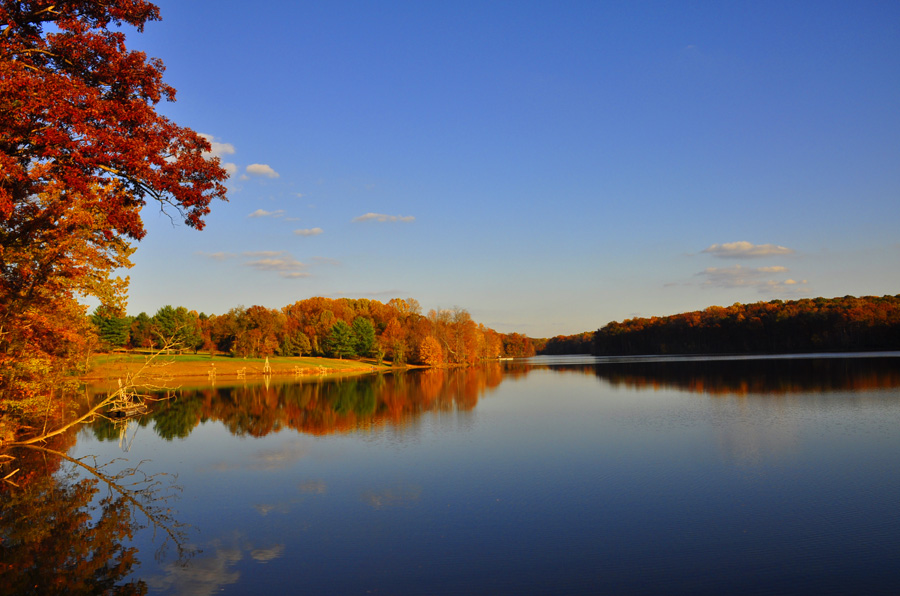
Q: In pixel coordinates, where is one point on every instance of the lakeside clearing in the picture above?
(159, 369)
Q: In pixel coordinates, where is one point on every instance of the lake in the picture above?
(566, 475)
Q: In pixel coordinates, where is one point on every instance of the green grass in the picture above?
(205, 359)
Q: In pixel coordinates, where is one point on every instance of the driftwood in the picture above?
(146, 493)
(124, 403)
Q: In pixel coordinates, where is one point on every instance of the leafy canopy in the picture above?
(82, 149)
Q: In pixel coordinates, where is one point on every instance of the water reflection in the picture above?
(66, 524)
(213, 572)
(578, 480)
(321, 407)
(318, 406)
(736, 376)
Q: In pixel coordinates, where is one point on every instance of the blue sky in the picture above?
(548, 166)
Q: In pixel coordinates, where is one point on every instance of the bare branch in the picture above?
(141, 494)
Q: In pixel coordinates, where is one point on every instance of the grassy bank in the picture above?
(109, 368)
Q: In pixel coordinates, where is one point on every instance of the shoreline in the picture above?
(110, 369)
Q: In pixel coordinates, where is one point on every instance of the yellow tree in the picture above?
(53, 251)
(430, 352)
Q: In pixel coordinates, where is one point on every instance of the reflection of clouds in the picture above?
(202, 575)
(276, 459)
(310, 487)
(268, 459)
(392, 497)
(267, 508)
(225, 466)
(210, 574)
(264, 555)
(313, 487)
(754, 433)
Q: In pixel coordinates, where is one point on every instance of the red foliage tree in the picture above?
(82, 149)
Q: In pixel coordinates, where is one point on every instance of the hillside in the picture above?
(851, 324)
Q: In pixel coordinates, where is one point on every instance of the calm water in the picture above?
(562, 476)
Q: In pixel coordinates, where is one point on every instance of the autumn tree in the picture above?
(82, 150)
(141, 332)
(430, 352)
(492, 346)
(207, 344)
(807, 325)
(262, 327)
(227, 329)
(517, 345)
(393, 341)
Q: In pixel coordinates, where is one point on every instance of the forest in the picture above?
(83, 150)
(340, 328)
(845, 324)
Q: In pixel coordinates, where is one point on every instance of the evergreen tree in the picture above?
(177, 326)
(113, 331)
(341, 341)
(364, 331)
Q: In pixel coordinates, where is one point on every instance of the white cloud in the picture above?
(731, 277)
(261, 169)
(264, 213)
(326, 261)
(382, 217)
(775, 269)
(217, 256)
(309, 232)
(391, 293)
(279, 261)
(746, 250)
(264, 253)
(218, 149)
(742, 277)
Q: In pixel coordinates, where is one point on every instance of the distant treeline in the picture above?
(340, 328)
(810, 325)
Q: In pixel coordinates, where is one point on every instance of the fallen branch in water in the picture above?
(126, 399)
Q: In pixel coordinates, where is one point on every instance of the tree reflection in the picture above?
(325, 406)
(52, 544)
(65, 524)
(319, 406)
(756, 376)
(738, 375)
